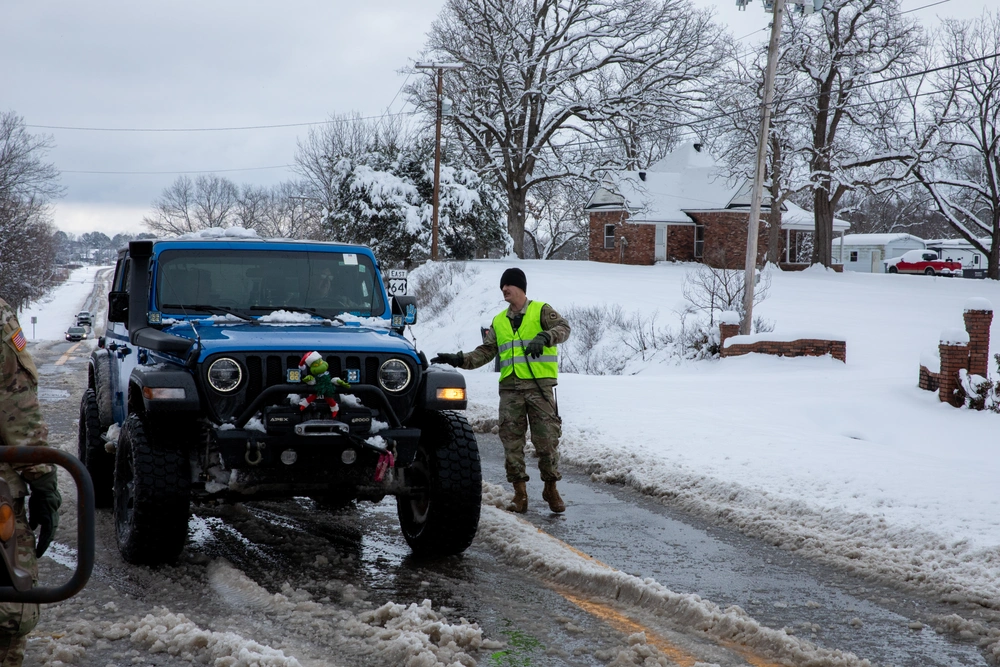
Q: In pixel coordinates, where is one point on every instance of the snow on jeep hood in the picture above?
(246, 337)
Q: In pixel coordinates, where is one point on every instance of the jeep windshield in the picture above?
(250, 281)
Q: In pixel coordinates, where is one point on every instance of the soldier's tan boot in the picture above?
(520, 502)
(551, 496)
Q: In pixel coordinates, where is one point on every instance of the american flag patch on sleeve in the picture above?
(18, 340)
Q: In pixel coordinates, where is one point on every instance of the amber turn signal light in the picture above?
(6, 522)
(451, 393)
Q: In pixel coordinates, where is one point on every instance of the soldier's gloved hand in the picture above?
(536, 345)
(43, 509)
(455, 359)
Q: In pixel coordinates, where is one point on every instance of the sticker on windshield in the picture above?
(350, 258)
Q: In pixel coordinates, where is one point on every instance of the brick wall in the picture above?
(803, 347)
(680, 243)
(641, 239)
(977, 324)
(954, 358)
(726, 238)
(928, 380)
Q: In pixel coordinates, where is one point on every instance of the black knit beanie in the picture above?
(514, 277)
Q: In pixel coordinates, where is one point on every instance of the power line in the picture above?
(160, 173)
(917, 9)
(210, 129)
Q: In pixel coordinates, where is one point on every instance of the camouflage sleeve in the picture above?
(483, 354)
(21, 422)
(555, 325)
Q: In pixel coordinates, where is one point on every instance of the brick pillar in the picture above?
(726, 331)
(977, 324)
(954, 357)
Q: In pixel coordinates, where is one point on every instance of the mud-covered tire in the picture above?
(443, 519)
(102, 389)
(92, 453)
(152, 497)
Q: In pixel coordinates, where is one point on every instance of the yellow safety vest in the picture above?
(511, 345)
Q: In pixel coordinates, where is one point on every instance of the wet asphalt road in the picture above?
(277, 543)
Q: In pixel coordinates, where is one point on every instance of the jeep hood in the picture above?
(302, 338)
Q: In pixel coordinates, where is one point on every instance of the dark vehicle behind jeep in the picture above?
(199, 388)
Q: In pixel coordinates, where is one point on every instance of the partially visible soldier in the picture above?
(525, 329)
(21, 425)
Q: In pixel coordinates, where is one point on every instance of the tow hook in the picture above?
(253, 455)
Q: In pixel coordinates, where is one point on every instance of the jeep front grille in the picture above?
(266, 370)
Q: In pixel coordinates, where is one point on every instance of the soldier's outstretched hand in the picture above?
(455, 359)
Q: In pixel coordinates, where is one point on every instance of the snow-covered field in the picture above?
(850, 464)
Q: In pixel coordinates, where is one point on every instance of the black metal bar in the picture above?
(84, 518)
(276, 390)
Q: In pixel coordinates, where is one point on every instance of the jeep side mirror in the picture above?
(117, 306)
(404, 311)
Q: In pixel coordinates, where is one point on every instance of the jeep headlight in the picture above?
(394, 375)
(225, 375)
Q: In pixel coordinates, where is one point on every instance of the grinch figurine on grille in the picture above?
(315, 373)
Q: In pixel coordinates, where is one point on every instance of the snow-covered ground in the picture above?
(848, 463)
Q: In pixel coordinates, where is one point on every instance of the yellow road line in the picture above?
(627, 626)
(624, 624)
(63, 359)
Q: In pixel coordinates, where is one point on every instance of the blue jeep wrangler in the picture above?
(201, 371)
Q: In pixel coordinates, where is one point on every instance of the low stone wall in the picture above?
(929, 380)
(801, 347)
(960, 350)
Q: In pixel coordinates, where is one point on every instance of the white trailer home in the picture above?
(866, 253)
(959, 250)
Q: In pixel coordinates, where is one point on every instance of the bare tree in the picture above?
(28, 184)
(557, 226)
(842, 56)
(956, 138)
(540, 74)
(188, 206)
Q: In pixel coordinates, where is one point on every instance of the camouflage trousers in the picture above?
(519, 408)
(18, 619)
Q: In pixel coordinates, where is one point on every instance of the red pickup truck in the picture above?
(923, 261)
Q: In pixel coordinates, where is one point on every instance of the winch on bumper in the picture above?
(287, 435)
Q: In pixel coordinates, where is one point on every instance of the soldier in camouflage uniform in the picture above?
(21, 425)
(524, 336)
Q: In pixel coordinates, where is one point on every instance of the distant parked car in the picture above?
(76, 333)
(923, 261)
(84, 319)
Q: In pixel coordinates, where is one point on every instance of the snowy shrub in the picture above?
(981, 393)
(711, 291)
(435, 284)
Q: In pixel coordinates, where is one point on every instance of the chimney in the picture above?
(642, 176)
(697, 147)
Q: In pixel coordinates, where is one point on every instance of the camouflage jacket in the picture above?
(554, 324)
(21, 422)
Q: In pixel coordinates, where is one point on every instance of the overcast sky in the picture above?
(212, 64)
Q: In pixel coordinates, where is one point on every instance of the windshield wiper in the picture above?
(294, 309)
(211, 309)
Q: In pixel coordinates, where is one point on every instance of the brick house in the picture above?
(683, 208)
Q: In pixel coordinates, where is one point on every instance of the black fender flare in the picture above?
(153, 377)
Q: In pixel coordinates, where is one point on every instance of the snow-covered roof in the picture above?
(956, 243)
(877, 239)
(687, 179)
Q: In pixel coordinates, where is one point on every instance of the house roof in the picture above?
(957, 243)
(687, 179)
(877, 239)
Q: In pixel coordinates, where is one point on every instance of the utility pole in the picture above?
(440, 68)
(750, 271)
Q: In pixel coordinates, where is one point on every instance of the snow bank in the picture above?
(57, 311)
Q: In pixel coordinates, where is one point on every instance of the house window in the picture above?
(609, 236)
(699, 241)
(854, 255)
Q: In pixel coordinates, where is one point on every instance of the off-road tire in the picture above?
(893, 269)
(91, 451)
(152, 497)
(443, 519)
(102, 389)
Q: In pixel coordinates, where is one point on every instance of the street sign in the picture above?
(396, 287)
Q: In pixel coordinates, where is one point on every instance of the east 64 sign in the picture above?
(395, 282)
